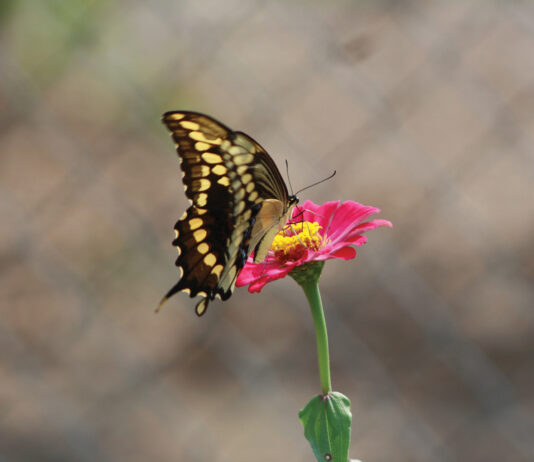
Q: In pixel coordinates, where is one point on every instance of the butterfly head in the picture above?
(292, 200)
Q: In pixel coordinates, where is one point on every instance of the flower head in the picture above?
(315, 233)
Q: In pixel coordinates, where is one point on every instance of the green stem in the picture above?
(311, 290)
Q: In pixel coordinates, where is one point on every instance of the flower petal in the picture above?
(344, 252)
(363, 227)
(257, 275)
(316, 213)
(357, 240)
(348, 216)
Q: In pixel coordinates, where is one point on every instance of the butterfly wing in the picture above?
(271, 218)
(231, 181)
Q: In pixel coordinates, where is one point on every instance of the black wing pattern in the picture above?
(229, 179)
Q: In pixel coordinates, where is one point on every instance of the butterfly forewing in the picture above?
(230, 181)
(268, 180)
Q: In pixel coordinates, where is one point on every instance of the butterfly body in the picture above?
(239, 202)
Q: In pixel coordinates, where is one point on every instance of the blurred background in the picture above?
(426, 110)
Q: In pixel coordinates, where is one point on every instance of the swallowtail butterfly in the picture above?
(239, 202)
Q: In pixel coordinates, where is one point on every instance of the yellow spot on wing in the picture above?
(243, 159)
(210, 259)
(195, 223)
(236, 150)
(201, 146)
(189, 125)
(219, 169)
(217, 270)
(199, 171)
(240, 207)
(199, 235)
(201, 307)
(244, 142)
(201, 185)
(211, 158)
(224, 181)
(201, 199)
(203, 248)
(199, 136)
(175, 116)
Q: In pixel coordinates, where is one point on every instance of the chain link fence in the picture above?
(425, 109)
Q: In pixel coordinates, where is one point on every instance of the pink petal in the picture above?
(271, 276)
(261, 274)
(348, 216)
(345, 253)
(248, 274)
(359, 229)
(357, 240)
(316, 213)
(363, 227)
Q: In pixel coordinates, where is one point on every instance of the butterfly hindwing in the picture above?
(266, 225)
(238, 198)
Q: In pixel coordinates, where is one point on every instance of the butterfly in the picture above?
(239, 202)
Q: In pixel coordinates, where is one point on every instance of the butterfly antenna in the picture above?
(316, 183)
(288, 178)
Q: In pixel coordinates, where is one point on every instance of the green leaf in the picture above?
(326, 420)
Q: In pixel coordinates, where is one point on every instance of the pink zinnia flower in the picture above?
(316, 233)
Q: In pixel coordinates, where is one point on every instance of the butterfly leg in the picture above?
(296, 234)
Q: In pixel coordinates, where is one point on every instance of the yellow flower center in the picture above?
(294, 239)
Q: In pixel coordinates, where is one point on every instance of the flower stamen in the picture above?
(292, 242)
(296, 234)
